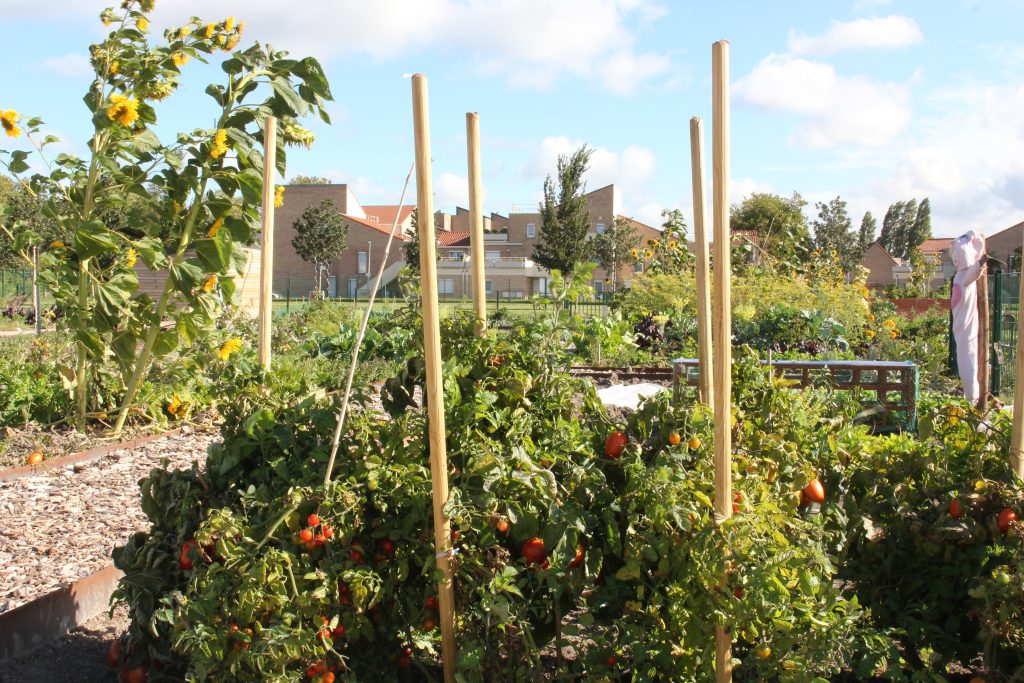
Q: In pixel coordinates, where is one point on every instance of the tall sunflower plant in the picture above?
(186, 205)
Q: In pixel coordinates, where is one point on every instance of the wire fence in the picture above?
(15, 282)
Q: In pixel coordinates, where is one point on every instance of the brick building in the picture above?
(508, 246)
(1005, 245)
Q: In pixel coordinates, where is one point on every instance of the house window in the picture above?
(353, 287)
(492, 255)
(638, 267)
(445, 285)
(457, 255)
(488, 286)
(599, 286)
(599, 228)
(531, 230)
(363, 262)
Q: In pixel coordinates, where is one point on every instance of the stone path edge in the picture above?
(53, 615)
(80, 458)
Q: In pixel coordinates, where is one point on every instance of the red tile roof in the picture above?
(934, 246)
(385, 213)
(453, 239)
(379, 227)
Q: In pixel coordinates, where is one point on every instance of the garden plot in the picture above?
(60, 526)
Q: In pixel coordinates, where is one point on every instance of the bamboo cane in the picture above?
(435, 388)
(705, 385)
(476, 223)
(267, 242)
(1017, 435)
(723, 320)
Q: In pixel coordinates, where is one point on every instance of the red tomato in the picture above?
(387, 546)
(814, 492)
(533, 551)
(674, 439)
(339, 631)
(954, 509)
(502, 526)
(328, 531)
(327, 677)
(615, 444)
(612, 660)
(306, 535)
(356, 554)
(430, 602)
(114, 653)
(403, 661)
(1005, 518)
(313, 520)
(578, 559)
(184, 561)
(136, 675)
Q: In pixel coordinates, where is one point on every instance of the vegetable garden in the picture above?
(762, 534)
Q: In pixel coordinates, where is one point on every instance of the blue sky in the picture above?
(872, 100)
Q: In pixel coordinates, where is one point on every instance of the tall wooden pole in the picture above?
(35, 291)
(704, 385)
(722, 320)
(435, 388)
(476, 223)
(1017, 435)
(267, 241)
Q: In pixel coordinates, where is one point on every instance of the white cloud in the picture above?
(73, 64)
(739, 189)
(624, 70)
(837, 110)
(450, 190)
(890, 32)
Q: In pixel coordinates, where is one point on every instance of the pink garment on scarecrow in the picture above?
(967, 252)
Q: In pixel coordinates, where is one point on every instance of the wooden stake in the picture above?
(1017, 435)
(476, 223)
(704, 385)
(435, 388)
(983, 341)
(267, 242)
(722, 320)
(35, 291)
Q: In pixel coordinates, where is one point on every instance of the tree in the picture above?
(922, 229)
(779, 223)
(412, 246)
(833, 231)
(320, 236)
(866, 234)
(898, 228)
(23, 210)
(565, 219)
(311, 180)
(614, 247)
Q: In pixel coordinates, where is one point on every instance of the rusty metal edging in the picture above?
(78, 458)
(53, 615)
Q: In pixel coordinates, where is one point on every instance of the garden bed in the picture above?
(60, 525)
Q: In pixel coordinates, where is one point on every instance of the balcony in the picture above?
(513, 264)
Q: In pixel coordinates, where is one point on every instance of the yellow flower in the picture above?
(9, 120)
(184, 32)
(180, 58)
(634, 253)
(221, 38)
(114, 66)
(889, 323)
(210, 29)
(124, 110)
(176, 206)
(142, 24)
(672, 245)
(220, 143)
(648, 253)
(212, 232)
(241, 28)
(210, 284)
(870, 334)
(894, 333)
(279, 196)
(174, 406)
(871, 317)
(656, 243)
(232, 43)
(131, 258)
(58, 245)
(229, 23)
(229, 347)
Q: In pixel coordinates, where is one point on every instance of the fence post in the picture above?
(997, 333)
(288, 297)
(35, 290)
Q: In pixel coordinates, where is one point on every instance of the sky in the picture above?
(875, 101)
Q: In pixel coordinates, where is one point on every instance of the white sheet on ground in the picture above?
(628, 395)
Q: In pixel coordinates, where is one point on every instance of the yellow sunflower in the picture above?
(142, 24)
(279, 196)
(180, 58)
(871, 317)
(114, 67)
(229, 347)
(634, 253)
(241, 28)
(220, 143)
(870, 334)
(672, 245)
(58, 245)
(9, 120)
(231, 43)
(210, 284)
(209, 31)
(229, 23)
(217, 224)
(184, 32)
(124, 110)
(131, 258)
(648, 253)
(889, 323)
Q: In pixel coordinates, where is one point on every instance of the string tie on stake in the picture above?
(451, 552)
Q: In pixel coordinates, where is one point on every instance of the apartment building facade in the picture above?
(509, 242)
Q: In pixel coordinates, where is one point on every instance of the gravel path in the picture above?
(60, 526)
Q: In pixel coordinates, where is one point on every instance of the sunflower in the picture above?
(241, 28)
(672, 245)
(184, 32)
(131, 258)
(634, 253)
(229, 347)
(870, 334)
(209, 31)
(174, 408)
(176, 206)
(114, 66)
(210, 284)
(217, 224)
(871, 317)
(229, 23)
(58, 245)
(142, 24)
(648, 253)
(894, 333)
(9, 120)
(180, 58)
(890, 323)
(124, 110)
(220, 143)
(279, 196)
(231, 43)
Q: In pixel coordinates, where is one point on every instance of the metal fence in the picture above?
(15, 282)
(1004, 309)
